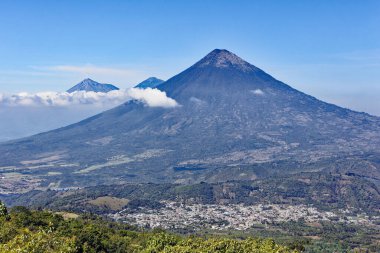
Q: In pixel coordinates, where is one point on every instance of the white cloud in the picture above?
(150, 97)
(197, 101)
(257, 92)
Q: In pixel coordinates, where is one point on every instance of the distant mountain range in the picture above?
(233, 122)
(22, 121)
(91, 85)
(151, 82)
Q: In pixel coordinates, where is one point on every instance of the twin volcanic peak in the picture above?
(91, 85)
(234, 122)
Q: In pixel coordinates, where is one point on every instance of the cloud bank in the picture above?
(150, 97)
(25, 114)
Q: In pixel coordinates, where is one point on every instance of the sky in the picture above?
(328, 49)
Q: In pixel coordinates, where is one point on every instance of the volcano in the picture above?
(233, 122)
(151, 82)
(91, 85)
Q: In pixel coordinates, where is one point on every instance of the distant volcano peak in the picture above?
(151, 82)
(91, 85)
(88, 80)
(222, 58)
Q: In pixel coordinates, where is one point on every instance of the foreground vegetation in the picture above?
(327, 192)
(23, 230)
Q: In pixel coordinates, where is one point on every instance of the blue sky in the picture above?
(329, 49)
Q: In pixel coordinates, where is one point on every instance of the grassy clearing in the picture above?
(112, 203)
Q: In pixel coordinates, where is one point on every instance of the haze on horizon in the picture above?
(330, 50)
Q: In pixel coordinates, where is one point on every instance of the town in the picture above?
(176, 215)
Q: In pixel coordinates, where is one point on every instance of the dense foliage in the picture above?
(23, 230)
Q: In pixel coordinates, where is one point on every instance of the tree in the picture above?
(39, 241)
(3, 210)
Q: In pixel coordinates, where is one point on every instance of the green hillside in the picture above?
(23, 230)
